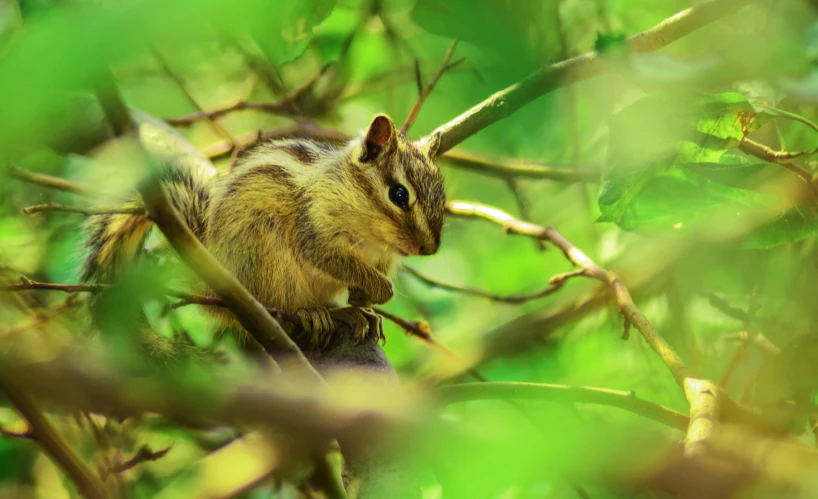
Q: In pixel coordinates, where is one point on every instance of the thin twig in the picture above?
(418, 77)
(143, 455)
(284, 106)
(187, 91)
(681, 373)
(781, 158)
(522, 207)
(88, 212)
(738, 358)
(47, 437)
(584, 395)
(513, 168)
(421, 330)
(67, 288)
(428, 88)
(57, 183)
(507, 101)
(555, 282)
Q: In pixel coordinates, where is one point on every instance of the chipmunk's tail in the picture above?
(114, 241)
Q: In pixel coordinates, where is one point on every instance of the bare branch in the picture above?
(421, 331)
(562, 393)
(739, 357)
(418, 77)
(143, 455)
(623, 298)
(522, 207)
(428, 88)
(781, 158)
(88, 212)
(67, 288)
(82, 384)
(704, 398)
(758, 340)
(556, 284)
(591, 269)
(47, 437)
(186, 90)
(284, 106)
(513, 168)
(505, 102)
(57, 183)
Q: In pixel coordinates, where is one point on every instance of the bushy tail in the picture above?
(114, 241)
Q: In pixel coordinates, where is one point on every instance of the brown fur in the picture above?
(299, 221)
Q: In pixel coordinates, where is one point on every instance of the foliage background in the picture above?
(672, 241)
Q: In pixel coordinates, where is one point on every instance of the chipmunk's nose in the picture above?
(429, 248)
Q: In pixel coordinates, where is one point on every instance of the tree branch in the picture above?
(41, 208)
(67, 288)
(47, 437)
(631, 313)
(704, 398)
(513, 168)
(143, 455)
(555, 282)
(57, 183)
(428, 88)
(562, 393)
(505, 102)
(591, 269)
(284, 106)
(311, 419)
(781, 158)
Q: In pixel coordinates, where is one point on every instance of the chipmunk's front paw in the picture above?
(318, 324)
(365, 323)
(375, 292)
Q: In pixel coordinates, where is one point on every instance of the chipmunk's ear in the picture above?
(381, 138)
(432, 144)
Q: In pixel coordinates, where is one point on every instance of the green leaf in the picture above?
(290, 32)
(330, 36)
(732, 171)
(680, 201)
(684, 129)
(795, 225)
(516, 38)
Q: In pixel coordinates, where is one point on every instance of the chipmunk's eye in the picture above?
(399, 195)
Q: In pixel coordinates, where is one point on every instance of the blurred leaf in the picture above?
(291, 28)
(511, 33)
(786, 384)
(794, 225)
(759, 92)
(655, 68)
(732, 171)
(681, 200)
(329, 36)
(684, 129)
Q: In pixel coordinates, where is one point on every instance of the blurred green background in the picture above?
(688, 219)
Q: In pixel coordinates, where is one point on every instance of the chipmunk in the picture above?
(299, 221)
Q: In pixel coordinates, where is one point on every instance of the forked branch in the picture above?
(507, 101)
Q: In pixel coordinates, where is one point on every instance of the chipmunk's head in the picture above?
(404, 186)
